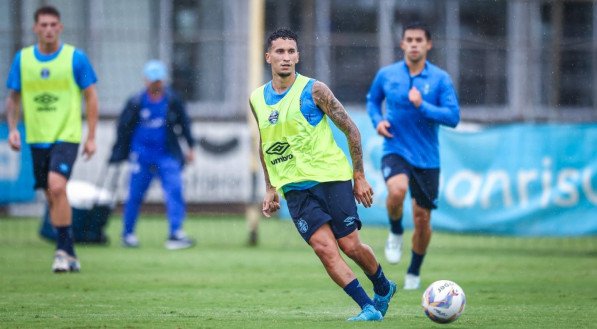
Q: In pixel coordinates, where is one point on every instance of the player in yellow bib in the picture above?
(50, 78)
(301, 159)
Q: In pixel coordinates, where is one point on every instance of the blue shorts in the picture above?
(59, 158)
(330, 202)
(423, 183)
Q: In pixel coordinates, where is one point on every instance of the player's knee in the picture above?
(396, 195)
(352, 250)
(422, 221)
(56, 190)
(323, 249)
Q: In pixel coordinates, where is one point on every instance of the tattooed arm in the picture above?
(331, 106)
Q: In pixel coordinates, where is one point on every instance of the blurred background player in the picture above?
(148, 131)
(419, 97)
(49, 78)
(301, 159)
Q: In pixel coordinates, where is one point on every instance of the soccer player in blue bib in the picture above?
(419, 97)
(49, 79)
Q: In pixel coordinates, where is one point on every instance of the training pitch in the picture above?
(222, 283)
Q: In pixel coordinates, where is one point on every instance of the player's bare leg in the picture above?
(61, 218)
(325, 247)
(422, 228)
(420, 242)
(60, 210)
(361, 253)
(397, 188)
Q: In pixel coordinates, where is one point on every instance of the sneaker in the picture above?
(412, 282)
(60, 264)
(369, 313)
(393, 248)
(381, 303)
(130, 241)
(179, 241)
(73, 264)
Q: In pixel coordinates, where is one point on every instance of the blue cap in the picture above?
(155, 70)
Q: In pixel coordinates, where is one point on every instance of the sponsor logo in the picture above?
(302, 225)
(45, 101)
(278, 148)
(273, 117)
(349, 221)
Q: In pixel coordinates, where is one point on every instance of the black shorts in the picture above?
(423, 183)
(331, 202)
(59, 158)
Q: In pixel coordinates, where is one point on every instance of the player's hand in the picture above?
(363, 192)
(383, 129)
(14, 140)
(89, 149)
(414, 96)
(271, 202)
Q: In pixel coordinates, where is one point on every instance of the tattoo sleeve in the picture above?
(331, 106)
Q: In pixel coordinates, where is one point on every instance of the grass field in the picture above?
(221, 283)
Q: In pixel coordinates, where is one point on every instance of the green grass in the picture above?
(221, 283)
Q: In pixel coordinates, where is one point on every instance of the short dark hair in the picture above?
(46, 10)
(417, 26)
(282, 33)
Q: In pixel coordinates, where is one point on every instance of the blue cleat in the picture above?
(369, 313)
(382, 302)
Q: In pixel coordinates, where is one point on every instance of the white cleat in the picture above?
(130, 241)
(412, 282)
(60, 264)
(393, 250)
(179, 241)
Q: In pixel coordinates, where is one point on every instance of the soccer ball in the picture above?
(443, 301)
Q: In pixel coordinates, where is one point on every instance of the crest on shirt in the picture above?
(426, 89)
(273, 117)
(145, 114)
(45, 73)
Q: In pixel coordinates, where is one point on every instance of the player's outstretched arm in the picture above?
(331, 106)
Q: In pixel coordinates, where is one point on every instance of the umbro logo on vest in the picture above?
(45, 100)
(278, 148)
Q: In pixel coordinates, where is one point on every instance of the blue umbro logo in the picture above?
(349, 221)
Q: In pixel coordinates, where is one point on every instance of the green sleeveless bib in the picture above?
(51, 98)
(294, 150)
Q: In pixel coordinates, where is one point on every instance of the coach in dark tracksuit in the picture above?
(148, 132)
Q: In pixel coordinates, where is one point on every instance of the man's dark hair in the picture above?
(417, 26)
(46, 10)
(282, 33)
